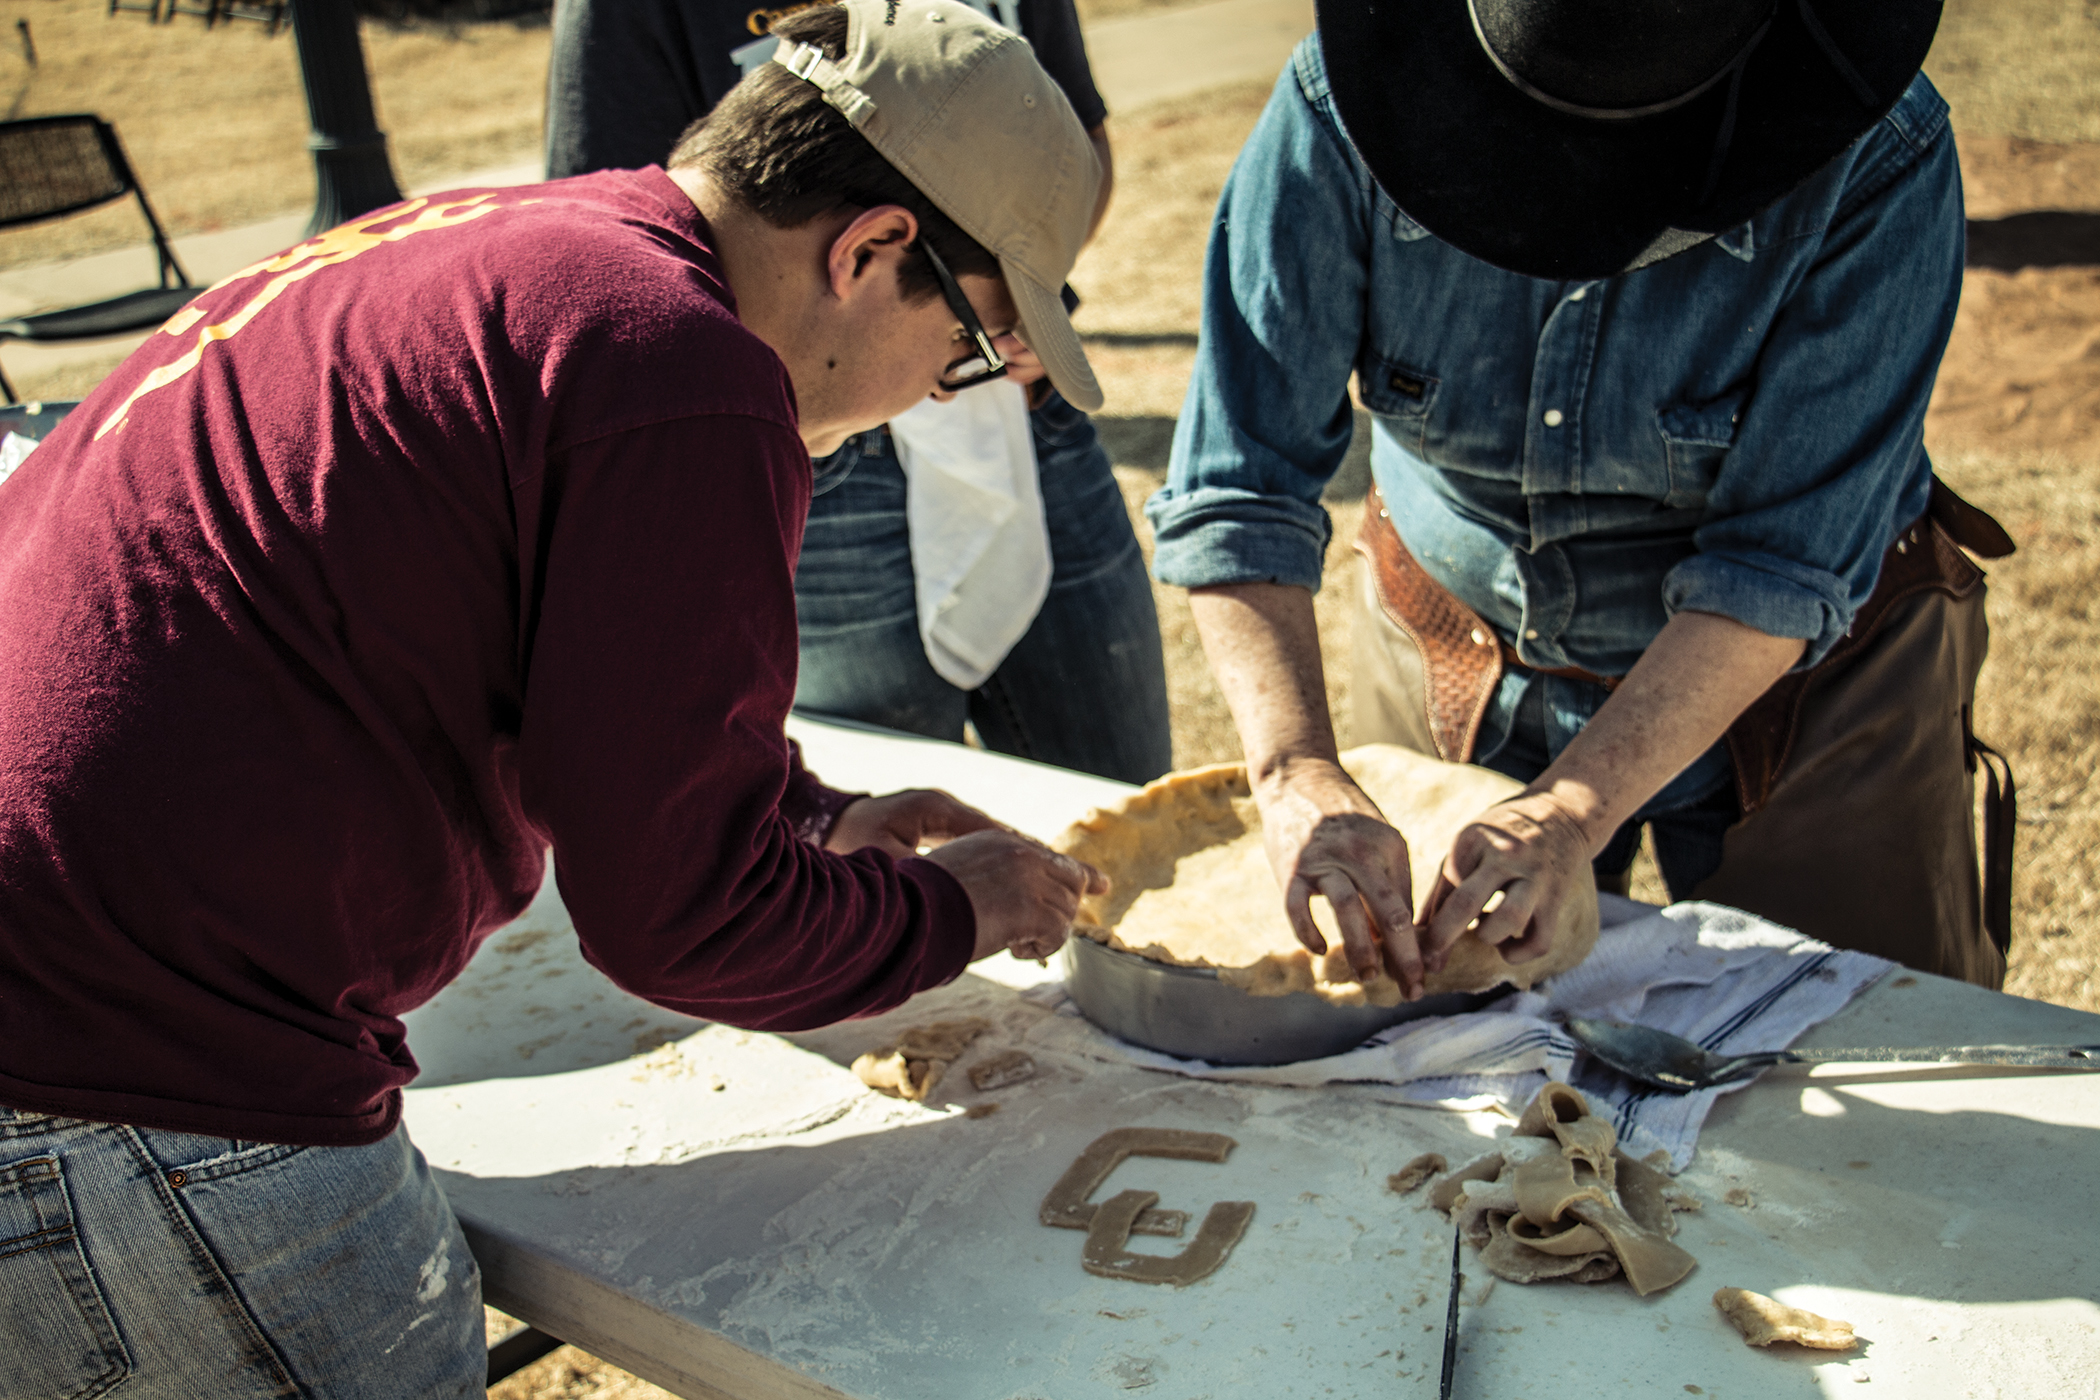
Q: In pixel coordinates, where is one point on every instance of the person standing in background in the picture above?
(936, 585)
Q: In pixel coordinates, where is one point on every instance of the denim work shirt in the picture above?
(1734, 430)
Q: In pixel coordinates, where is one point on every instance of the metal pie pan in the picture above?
(1192, 1013)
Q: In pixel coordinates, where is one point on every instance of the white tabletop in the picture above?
(730, 1214)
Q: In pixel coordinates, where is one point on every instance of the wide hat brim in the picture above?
(1511, 181)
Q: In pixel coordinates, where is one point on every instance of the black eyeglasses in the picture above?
(987, 363)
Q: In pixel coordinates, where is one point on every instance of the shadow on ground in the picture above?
(2044, 238)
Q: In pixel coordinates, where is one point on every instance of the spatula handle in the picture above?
(2085, 1057)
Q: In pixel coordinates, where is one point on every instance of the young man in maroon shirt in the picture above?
(461, 532)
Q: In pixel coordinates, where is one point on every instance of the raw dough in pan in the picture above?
(1193, 887)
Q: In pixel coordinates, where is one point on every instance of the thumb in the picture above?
(1078, 874)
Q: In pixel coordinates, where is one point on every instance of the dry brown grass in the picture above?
(214, 121)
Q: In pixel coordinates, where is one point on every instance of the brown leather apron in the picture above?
(1923, 572)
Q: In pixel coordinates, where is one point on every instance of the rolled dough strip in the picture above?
(1113, 1219)
(1562, 1237)
(1650, 1261)
(1563, 1114)
(1763, 1321)
(1651, 1198)
(1416, 1172)
(1505, 1256)
(1445, 1193)
(1067, 1206)
(1547, 1185)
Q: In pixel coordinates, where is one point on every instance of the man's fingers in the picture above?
(1470, 892)
(1507, 921)
(928, 816)
(1297, 907)
(1354, 921)
(1404, 960)
(1076, 874)
(1536, 943)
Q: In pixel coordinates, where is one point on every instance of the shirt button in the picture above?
(1531, 634)
(1553, 418)
(1578, 294)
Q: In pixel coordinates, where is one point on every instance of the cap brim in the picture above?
(1048, 331)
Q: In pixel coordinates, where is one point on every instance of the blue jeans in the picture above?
(163, 1265)
(1687, 819)
(1084, 688)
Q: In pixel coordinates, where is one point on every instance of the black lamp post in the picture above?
(351, 172)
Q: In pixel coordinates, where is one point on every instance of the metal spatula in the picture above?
(1672, 1062)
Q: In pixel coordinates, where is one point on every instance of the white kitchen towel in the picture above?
(1726, 979)
(980, 552)
(14, 450)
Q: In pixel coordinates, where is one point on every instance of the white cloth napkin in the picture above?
(1721, 977)
(14, 450)
(980, 552)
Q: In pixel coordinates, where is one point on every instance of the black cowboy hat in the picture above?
(1577, 139)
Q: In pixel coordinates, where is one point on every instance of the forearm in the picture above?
(1264, 647)
(1700, 673)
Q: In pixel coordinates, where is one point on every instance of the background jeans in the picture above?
(1084, 688)
(177, 1265)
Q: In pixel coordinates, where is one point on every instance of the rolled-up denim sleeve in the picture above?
(1828, 461)
(1267, 417)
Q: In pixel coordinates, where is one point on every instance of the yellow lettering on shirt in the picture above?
(337, 245)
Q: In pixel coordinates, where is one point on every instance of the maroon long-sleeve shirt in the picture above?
(458, 532)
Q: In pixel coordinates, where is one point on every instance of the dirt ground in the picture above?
(216, 126)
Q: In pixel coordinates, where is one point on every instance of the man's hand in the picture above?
(901, 823)
(1535, 852)
(1025, 894)
(1324, 836)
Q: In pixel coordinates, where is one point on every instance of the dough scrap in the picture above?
(1558, 1200)
(1763, 1321)
(1067, 1206)
(910, 1068)
(1192, 884)
(1003, 1071)
(1113, 1222)
(1416, 1172)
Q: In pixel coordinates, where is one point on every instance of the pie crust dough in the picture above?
(912, 1067)
(1763, 1321)
(1193, 886)
(1417, 1171)
(1559, 1200)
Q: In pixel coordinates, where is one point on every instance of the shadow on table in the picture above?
(2043, 238)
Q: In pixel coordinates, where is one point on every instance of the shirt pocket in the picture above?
(63, 1343)
(1696, 440)
(1401, 394)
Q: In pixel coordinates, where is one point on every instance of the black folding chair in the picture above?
(54, 166)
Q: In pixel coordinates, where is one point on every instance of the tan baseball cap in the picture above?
(960, 106)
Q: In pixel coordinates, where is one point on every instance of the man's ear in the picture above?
(869, 247)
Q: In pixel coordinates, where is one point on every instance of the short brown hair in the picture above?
(777, 147)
